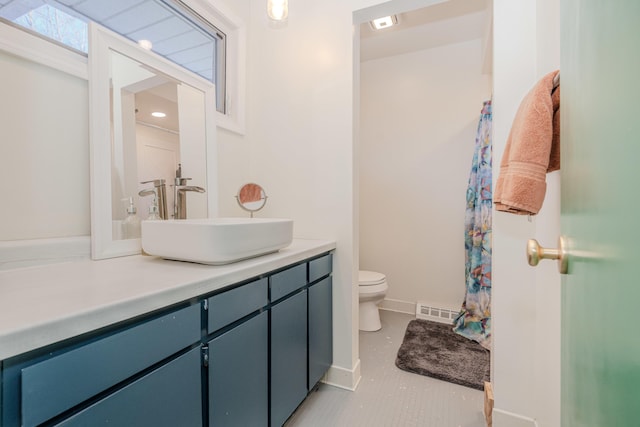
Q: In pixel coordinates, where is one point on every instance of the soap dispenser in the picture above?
(131, 224)
(153, 210)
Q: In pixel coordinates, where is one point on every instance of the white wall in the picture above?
(513, 290)
(419, 114)
(526, 302)
(299, 127)
(548, 282)
(299, 142)
(44, 153)
(302, 139)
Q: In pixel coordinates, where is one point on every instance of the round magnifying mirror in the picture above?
(251, 197)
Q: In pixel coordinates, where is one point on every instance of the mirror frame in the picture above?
(101, 42)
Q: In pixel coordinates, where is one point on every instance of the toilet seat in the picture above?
(370, 278)
(369, 290)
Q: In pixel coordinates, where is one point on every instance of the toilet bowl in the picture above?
(372, 287)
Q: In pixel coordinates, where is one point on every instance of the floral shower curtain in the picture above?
(474, 319)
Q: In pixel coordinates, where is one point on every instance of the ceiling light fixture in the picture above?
(278, 10)
(384, 22)
(158, 114)
(145, 44)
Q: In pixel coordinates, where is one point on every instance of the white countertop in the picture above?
(46, 304)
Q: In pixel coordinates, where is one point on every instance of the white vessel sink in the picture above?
(215, 240)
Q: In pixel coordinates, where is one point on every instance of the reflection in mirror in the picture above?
(145, 116)
(150, 134)
(145, 148)
(251, 197)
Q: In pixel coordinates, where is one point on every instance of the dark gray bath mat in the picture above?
(434, 350)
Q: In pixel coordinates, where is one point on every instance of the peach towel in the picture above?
(533, 149)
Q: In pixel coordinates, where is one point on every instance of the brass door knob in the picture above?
(535, 253)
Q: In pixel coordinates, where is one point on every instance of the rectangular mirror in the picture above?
(131, 148)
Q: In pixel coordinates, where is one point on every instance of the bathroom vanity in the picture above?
(149, 342)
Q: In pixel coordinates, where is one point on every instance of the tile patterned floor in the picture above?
(388, 396)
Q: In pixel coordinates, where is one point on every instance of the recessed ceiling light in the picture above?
(384, 22)
(145, 44)
(158, 114)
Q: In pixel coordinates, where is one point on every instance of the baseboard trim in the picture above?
(347, 379)
(502, 418)
(398, 306)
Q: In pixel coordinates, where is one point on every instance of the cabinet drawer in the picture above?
(319, 268)
(50, 387)
(287, 281)
(232, 305)
(167, 397)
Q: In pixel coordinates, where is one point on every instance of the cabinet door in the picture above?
(238, 377)
(169, 396)
(320, 330)
(288, 356)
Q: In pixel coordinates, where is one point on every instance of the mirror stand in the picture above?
(251, 197)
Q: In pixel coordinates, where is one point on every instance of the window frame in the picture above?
(220, 16)
(22, 42)
(35, 48)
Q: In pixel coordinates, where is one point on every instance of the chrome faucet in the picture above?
(180, 192)
(160, 191)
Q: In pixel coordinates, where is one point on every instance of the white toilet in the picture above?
(372, 288)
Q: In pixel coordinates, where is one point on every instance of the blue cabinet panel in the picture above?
(238, 375)
(320, 330)
(170, 396)
(149, 372)
(229, 306)
(52, 386)
(319, 268)
(287, 281)
(288, 356)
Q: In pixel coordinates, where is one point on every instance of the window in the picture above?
(57, 25)
(168, 27)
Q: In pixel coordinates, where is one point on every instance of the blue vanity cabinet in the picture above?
(288, 356)
(239, 374)
(320, 330)
(90, 374)
(288, 295)
(320, 318)
(244, 355)
(238, 361)
(167, 397)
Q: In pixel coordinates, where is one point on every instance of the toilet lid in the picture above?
(369, 278)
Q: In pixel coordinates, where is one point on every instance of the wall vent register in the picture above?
(426, 311)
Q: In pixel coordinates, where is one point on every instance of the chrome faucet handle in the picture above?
(156, 182)
(192, 188)
(181, 181)
(147, 192)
